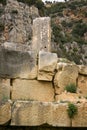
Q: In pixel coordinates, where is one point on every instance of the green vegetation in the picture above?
(72, 110)
(79, 29)
(3, 2)
(71, 88)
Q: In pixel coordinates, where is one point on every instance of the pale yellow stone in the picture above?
(46, 65)
(82, 84)
(5, 113)
(32, 113)
(32, 90)
(80, 120)
(68, 75)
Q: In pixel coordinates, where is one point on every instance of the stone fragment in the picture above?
(32, 90)
(16, 61)
(82, 84)
(68, 75)
(32, 113)
(83, 69)
(47, 65)
(41, 34)
(4, 90)
(5, 113)
(80, 120)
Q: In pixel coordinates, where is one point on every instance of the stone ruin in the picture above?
(32, 83)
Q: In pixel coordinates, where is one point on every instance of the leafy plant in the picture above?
(72, 110)
(71, 88)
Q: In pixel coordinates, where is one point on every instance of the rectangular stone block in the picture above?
(5, 89)
(32, 90)
(46, 65)
(41, 34)
(5, 113)
(32, 113)
(80, 120)
(16, 61)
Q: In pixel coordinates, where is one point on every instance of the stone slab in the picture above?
(80, 119)
(33, 113)
(32, 90)
(46, 65)
(41, 34)
(65, 76)
(5, 113)
(16, 61)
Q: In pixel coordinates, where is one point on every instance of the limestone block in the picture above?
(41, 34)
(47, 65)
(32, 113)
(4, 90)
(83, 69)
(80, 120)
(82, 84)
(5, 113)
(32, 90)
(16, 61)
(66, 76)
(70, 97)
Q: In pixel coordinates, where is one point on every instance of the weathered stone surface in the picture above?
(41, 34)
(47, 65)
(82, 84)
(67, 75)
(5, 113)
(16, 61)
(32, 90)
(70, 97)
(83, 69)
(18, 22)
(4, 90)
(38, 113)
(80, 119)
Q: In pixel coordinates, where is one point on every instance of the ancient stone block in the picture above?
(82, 84)
(83, 69)
(46, 65)
(4, 90)
(5, 113)
(41, 34)
(80, 120)
(69, 97)
(32, 90)
(67, 75)
(16, 61)
(33, 113)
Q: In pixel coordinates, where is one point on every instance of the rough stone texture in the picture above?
(41, 34)
(16, 61)
(47, 65)
(38, 113)
(83, 69)
(32, 90)
(17, 20)
(82, 84)
(80, 119)
(4, 90)
(70, 97)
(5, 113)
(67, 75)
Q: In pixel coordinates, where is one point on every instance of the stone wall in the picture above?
(32, 87)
